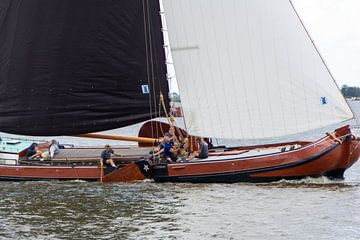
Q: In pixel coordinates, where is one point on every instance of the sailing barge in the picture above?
(246, 69)
(329, 156)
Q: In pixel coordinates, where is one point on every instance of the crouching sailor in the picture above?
(167, 149)
(106, 156)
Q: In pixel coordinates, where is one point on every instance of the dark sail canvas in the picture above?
(69, 67)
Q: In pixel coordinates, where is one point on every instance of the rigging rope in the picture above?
(171, 121)
(147, 60)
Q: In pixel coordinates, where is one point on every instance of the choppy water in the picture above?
(307, 209)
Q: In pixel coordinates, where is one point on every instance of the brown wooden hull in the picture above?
(324, 157)
(130, 172)
(328, 156)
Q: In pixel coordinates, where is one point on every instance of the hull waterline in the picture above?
(329, 156)
(131, 172)
(326, 157)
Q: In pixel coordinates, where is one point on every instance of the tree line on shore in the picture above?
(350, 92)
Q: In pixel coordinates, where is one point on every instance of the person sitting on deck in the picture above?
(106, 156)
(54, 148)
(52, 151)
(183, 153)
(33, 151)
(167, 148)
(203, 151)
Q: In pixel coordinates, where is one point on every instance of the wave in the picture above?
(314, 182)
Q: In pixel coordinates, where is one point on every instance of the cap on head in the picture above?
(107, 146)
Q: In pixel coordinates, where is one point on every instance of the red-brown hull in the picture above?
(324, 157)
(130, 172)
(49, 173)
(327, 157)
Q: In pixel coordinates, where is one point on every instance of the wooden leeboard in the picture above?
(127, 173)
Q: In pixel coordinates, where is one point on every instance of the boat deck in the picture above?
(89, 156)
(83, 153)
(236, 154)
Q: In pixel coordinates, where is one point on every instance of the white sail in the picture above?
(248, 69)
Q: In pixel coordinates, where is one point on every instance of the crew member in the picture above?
(33, 151)
(167, 148)
(203, 151)
(106, 156)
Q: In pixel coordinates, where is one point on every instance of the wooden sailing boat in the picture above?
(249, 70)
(246, 70)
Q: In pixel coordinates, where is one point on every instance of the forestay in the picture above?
(248, 69)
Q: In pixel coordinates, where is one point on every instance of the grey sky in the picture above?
(335, 28)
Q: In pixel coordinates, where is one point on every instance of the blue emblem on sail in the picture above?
(324, 100)
(145, 89)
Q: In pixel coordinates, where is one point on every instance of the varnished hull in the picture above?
(328, 157)
(131, 172)
(324, 157)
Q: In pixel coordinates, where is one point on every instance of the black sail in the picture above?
(77, 66)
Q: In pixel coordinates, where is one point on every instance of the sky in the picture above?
(334, 25)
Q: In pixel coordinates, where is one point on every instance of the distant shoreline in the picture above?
(353, 98)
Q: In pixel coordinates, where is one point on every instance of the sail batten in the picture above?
(254, 73)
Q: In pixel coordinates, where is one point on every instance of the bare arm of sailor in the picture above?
(159, 152)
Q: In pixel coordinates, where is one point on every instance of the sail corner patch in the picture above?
(145, 89)
(324, 100)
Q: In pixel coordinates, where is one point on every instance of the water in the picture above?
(312, 208)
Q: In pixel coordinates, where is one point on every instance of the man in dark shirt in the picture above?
(106, 156)
(203, 151)
(33, 151)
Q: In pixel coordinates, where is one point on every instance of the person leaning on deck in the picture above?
(33, 151)
(52, 151)
(54, 148)
(106, 156)
(203, 151)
